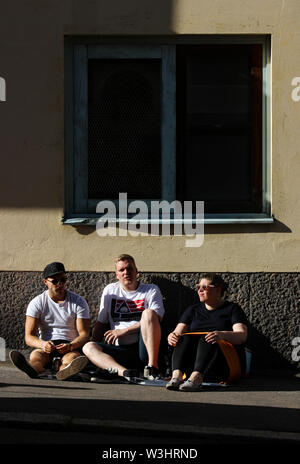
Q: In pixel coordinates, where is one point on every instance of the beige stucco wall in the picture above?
(32, 135)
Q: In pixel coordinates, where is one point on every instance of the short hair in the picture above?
(125, 257)
(216, 280)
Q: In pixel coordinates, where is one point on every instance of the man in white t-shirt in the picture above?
(129, 321)
(57, 325)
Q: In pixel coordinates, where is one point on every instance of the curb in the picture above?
(69, 423)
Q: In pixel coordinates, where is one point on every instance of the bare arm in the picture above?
(112, 335)
(236, 336)
(31, 331)
(31, 337)
(83, 329)
(98, 331)
(174, 336)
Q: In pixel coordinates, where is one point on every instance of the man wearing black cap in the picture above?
(57, 325)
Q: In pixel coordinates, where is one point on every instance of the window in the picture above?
(124, 128)
(164, 122)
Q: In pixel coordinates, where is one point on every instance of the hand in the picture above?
(213, 337)
(63, 348)
(112, 335)
(47, 347)
(173, 338)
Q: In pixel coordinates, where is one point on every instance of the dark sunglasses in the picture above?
(63, 280)
(204, 287)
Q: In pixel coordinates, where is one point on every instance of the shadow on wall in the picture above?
(179, 293)
(25, 145)
(269, 320)
(264, 356)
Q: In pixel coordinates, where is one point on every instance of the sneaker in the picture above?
(74, 367)
(19, 361)
(151, 373)
(105, 375)
(190, 386)
(130, 374)
(174, 384)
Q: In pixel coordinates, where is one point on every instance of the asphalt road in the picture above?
(258, 411)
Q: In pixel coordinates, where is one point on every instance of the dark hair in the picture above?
(217, 280)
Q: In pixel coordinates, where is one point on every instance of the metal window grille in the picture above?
(124, 128)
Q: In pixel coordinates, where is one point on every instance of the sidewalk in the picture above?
(258, 410)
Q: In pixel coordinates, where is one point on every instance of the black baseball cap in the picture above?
(53, 269)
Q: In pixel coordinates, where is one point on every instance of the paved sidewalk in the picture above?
(258, 410)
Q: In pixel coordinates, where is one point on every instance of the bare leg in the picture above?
(177, 374)
(95, 354)
(151, 333)
(67, 358)
(38, 360)
(196, 378)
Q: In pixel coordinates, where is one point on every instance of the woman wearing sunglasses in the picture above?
(206, 335)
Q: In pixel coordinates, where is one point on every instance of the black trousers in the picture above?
(193, 353)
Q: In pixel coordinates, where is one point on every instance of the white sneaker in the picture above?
(74, 367)
(151, 373)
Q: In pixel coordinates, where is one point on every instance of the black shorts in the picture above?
(55, 353)
(130, 356)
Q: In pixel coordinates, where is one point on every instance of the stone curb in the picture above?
(129, 427)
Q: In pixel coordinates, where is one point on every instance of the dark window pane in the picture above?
(219, 116)
(124, 128)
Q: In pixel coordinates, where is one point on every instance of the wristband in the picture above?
(42, 344)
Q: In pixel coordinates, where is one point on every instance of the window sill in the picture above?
(209, 219)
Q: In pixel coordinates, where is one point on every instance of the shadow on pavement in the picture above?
(156, 412)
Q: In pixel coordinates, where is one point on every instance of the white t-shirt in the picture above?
(58, 320)
(122, 309)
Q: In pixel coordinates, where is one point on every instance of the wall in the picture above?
(267, 299)
(32, 136)
(32, 152)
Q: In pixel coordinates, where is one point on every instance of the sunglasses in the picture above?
(204, 287)
(63, 280)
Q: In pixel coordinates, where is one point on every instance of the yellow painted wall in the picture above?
(32, 135)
